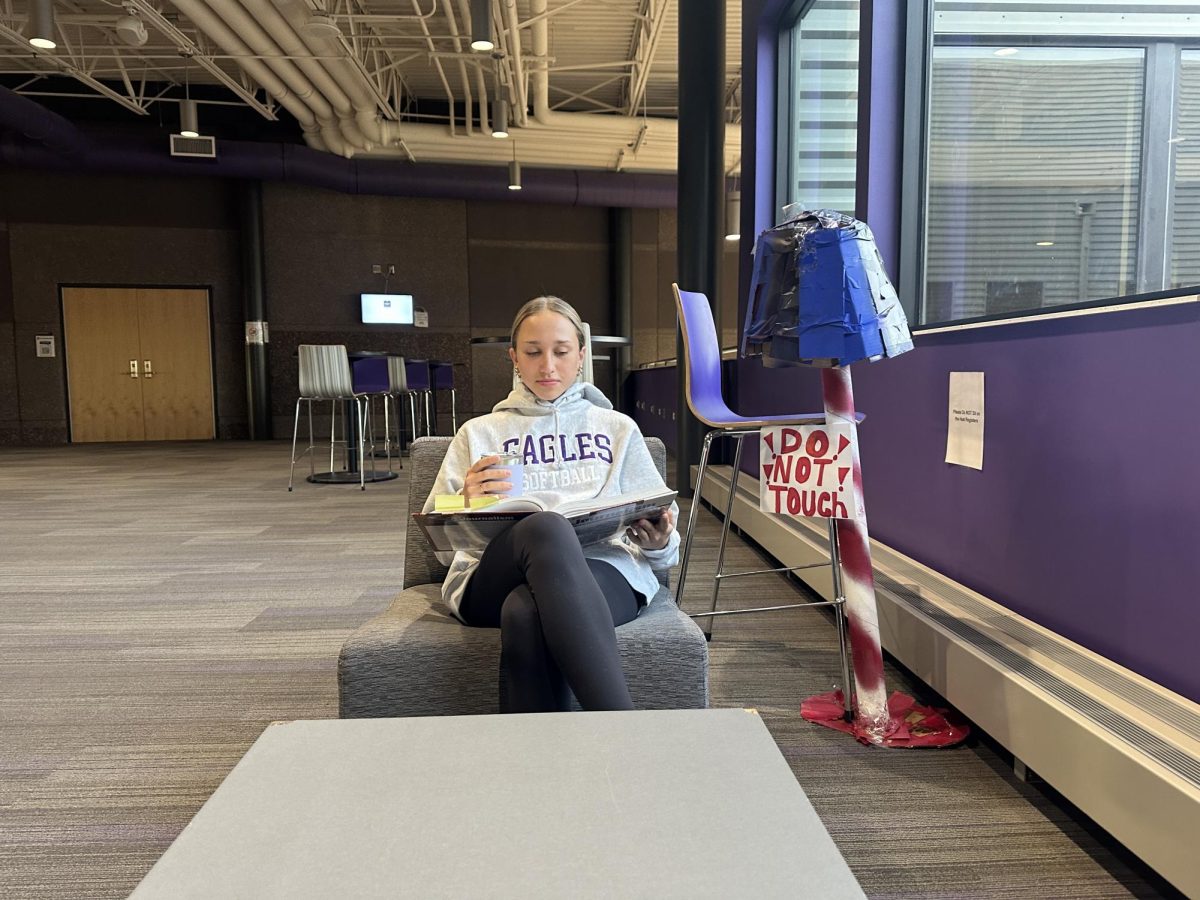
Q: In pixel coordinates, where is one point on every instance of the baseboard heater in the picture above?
(1123, 749)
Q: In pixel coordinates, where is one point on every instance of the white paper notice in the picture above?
(964, 436)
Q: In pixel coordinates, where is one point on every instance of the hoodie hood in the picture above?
(525, 402)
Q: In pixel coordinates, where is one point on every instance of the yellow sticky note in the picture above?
(481, 502)
(448, 503)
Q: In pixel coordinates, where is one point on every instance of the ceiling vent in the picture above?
(202, 147)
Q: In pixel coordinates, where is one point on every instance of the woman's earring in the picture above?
(516, 372)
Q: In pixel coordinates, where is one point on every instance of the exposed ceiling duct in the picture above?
(587, 85)
(51, 142)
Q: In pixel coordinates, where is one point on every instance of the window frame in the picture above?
(1156, 164)
(784, 154)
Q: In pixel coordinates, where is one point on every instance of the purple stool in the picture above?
(416, 371)
(441, 374)
(702, 386)
(371, 378)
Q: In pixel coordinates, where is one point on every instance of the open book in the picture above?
(594, 521)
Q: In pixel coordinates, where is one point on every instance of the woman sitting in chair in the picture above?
(556, 602)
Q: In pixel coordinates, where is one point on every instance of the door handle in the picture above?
(148, 369)
(133, 369)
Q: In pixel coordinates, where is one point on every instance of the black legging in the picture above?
(556, 611)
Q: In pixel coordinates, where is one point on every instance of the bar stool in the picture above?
(416, 372)
(325, 375)
(441, 375)
(702, 386)
(398, 388)
(372, 378)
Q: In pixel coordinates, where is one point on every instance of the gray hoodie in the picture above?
(575, 448)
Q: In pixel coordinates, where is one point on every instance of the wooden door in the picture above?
(176, 364)
(165, 333)
(100, 331)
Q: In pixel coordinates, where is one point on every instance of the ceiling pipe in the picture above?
(301, 165)
(208, 22)
(437, 64)
(42, 127)
(234, 15)
(290, 42)
(348, 77)
(521, 99)
(468, 122)
(661, 132)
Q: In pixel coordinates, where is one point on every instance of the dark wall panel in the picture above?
(47, 256)
(10, 425)
(320, 247)
(469, 264)
(6, 296)
(517, 252)
(34, 196)
(645, 286)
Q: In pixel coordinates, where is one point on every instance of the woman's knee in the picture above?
(546, 528)
(519, 615)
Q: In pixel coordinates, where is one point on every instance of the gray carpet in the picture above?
(160, 604)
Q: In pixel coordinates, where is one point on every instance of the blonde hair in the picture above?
(546, 304)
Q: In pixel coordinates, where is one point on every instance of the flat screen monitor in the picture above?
(387, 309)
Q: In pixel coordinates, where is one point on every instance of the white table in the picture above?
(671, 803)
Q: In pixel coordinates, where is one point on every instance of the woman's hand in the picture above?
(481, 480)
(652, 535)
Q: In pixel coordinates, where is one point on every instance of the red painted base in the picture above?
(910, 726)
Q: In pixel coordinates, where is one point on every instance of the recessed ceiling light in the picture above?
(1006, 51)
(1177, 140)
(1045, 243)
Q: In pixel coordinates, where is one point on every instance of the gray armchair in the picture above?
(415, 659)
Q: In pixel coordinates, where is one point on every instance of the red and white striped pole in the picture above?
(858, 581)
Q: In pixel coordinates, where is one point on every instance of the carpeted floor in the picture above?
(160, 604)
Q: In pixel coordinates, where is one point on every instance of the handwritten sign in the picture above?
(807, 472)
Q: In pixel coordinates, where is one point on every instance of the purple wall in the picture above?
(1086, 515)
(653, 395)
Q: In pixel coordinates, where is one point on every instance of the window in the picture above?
(1052, 150)
(1185, 234)
(818, 59)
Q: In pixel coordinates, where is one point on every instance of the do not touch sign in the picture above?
(806, 472)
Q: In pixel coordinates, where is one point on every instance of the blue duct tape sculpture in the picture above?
(820, 295)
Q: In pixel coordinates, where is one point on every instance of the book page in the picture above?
(661, 499)
(508, 504)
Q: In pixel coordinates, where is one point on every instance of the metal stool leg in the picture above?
(362, 461)
(295, 435)
(692, 516)
(429, 423)
(839, 614)
(398, 412)
(737, 463)
(453, 411)
(312, 447)
(332, 430)
(412, 420)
